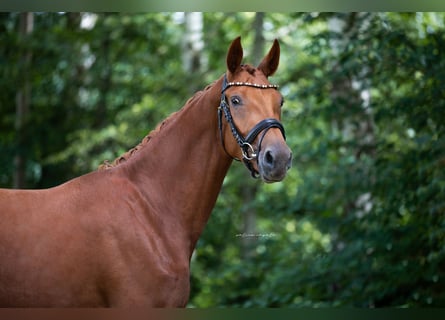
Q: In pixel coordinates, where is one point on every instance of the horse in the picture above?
(123, 235)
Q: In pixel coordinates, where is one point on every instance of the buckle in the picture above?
(245, 150)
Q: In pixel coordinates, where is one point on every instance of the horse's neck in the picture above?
(181, 169)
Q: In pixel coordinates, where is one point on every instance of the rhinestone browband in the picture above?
(248, 84)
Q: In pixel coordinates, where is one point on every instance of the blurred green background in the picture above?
(359, 221)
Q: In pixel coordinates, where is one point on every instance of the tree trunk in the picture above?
(249, 188)
(258, 43)
(106, 76)
(193, 42)
(26, 25)
(193, 45)
(349, 93)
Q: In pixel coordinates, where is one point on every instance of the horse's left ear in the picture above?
(269, 64)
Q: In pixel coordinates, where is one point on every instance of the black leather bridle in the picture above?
(245, 143)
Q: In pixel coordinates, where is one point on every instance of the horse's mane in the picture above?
(127, 155)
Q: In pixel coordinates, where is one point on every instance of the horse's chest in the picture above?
(156, 288)
(149, 282)
(174, 288)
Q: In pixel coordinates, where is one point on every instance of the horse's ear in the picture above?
(269, 64)
(234, 55)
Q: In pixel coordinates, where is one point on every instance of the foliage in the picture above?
(359, 221)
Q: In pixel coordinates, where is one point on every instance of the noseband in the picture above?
(245, 143)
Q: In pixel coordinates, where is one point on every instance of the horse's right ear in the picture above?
(234, 55)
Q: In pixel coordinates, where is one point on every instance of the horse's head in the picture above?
(251, 106)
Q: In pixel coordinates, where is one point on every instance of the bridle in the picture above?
(245, 143)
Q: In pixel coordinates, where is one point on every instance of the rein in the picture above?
(245, 143)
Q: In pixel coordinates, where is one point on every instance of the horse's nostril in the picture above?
(289, 162)
(269, 158)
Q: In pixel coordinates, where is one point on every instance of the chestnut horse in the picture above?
(124, 235)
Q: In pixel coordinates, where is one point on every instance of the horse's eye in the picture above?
(282, 102)
(236, 101)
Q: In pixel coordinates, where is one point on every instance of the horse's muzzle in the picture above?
(274, 162)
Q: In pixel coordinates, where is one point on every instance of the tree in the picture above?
(26, 26)
(359, 220)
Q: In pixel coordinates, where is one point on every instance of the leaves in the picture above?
(359, 221)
